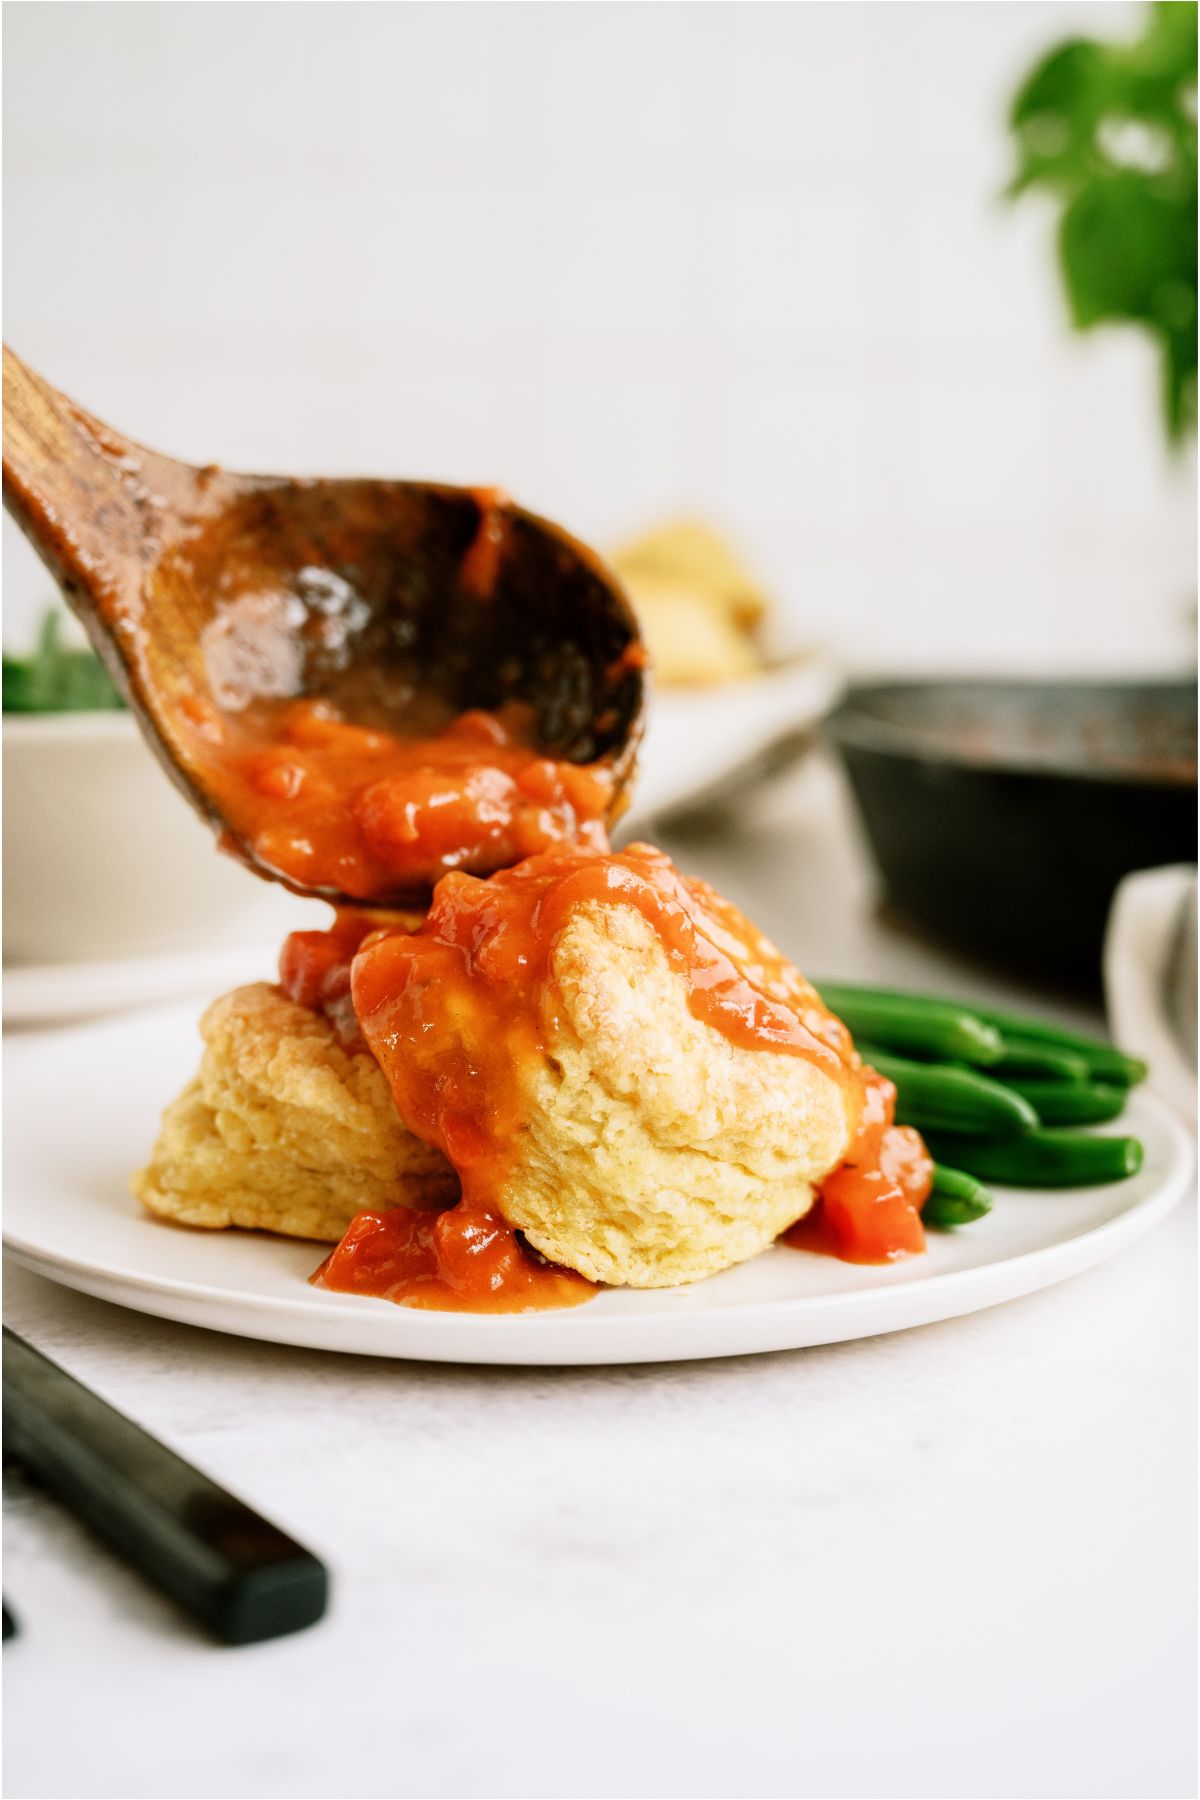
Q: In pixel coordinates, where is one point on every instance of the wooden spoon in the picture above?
(375, 595)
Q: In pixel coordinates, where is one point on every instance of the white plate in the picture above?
(82, 1110)
(699, 739)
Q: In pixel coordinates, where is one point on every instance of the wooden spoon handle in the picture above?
(92, 503)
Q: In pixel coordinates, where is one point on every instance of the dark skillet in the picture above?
(1003, 814)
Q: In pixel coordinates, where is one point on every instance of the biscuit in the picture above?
(696, 602)
(688, 551)
(646, 1146)
(689, 641)
(285, 1130)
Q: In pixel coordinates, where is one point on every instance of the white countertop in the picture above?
(957, 1561)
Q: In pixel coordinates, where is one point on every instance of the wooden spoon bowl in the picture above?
(394, 600)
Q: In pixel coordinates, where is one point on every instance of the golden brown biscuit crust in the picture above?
(657, 1151)
(284, 1129)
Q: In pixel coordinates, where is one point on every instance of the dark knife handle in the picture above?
(237, 1574)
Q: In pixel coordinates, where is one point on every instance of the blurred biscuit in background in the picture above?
(698, 605)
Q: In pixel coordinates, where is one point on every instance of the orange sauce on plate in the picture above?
(868, 1209)
(465, 1259)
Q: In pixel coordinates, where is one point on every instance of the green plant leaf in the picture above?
(1055, 113)
(57, 680)
(1122, 248)
(1110, 131)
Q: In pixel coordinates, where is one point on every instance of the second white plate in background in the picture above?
(699, 739)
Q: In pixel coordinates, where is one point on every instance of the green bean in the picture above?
(934, 1029)
(954, 1099)
(1071, 1102)
(1026, 1056)
(908, 1011)
(954, 1199)
(1040, 1159)
(1104, 1061)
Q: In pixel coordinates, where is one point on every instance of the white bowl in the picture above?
(104, 859)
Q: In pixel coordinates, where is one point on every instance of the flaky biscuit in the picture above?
(653, 1149)
(690, 642)
(696, 602)
(691, 553)
(284, 1129)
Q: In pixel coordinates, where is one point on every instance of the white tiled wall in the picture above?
(623, 259)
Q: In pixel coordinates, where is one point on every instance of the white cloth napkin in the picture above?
(1150, 978)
